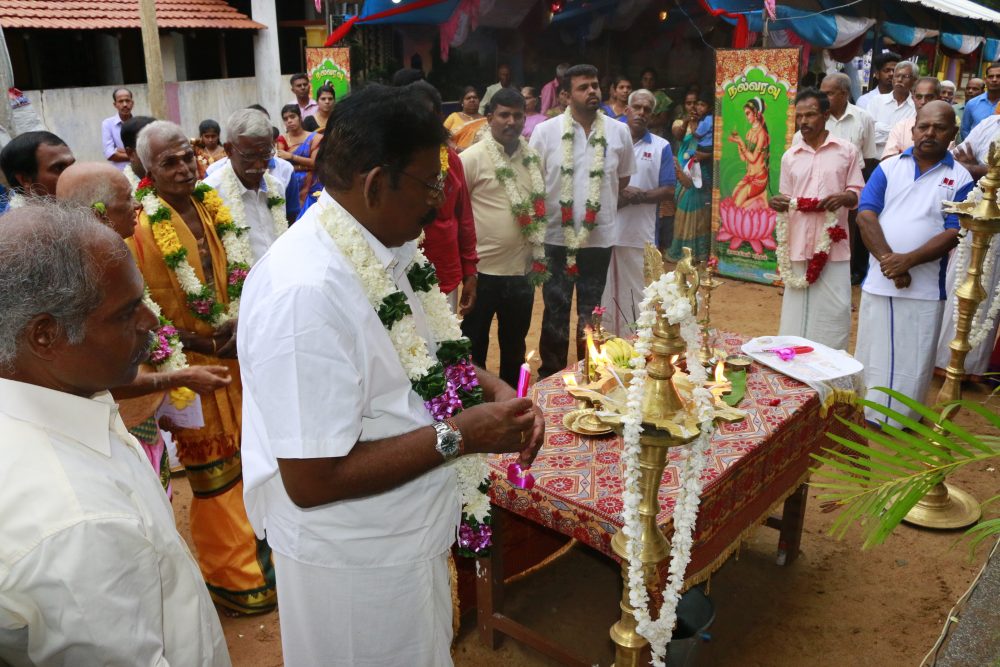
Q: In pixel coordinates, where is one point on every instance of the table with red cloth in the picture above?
(753, 466)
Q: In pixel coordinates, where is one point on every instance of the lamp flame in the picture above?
(528, 357)
(569, 379)
(720, 373)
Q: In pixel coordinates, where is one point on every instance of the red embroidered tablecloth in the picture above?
(752, 465)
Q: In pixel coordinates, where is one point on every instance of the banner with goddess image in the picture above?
(755, 123)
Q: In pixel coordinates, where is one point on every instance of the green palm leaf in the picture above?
(876, 477)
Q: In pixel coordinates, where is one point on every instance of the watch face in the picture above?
(449, 442)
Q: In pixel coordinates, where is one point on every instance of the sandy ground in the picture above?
(835, 606)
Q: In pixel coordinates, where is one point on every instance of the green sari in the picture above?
(693, 219)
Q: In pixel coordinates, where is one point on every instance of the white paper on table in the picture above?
(823, 369)
(190, 417)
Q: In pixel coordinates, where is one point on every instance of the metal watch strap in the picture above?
(461, 439)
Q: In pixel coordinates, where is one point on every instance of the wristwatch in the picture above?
(449, 439)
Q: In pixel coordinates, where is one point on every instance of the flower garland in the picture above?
(982, 320)
(275, 204)
(201, 299)
(443, 158)
(530, 216)
(166, 351)
(830, 234)
(677, 310)
(446, 381)
(574, 239)
(133, 180)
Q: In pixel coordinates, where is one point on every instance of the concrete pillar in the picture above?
(168, 51)
(174, 60)
(271, 89)
(109, 59)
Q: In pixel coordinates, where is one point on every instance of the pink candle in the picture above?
(524, 377)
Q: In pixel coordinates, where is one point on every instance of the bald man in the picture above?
(103, 188)
(909, 237)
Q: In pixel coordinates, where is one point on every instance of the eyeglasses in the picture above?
(435, 190)
(259, 157)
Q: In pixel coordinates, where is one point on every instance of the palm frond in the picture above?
(876, 477)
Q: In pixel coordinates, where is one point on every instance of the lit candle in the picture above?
(524, 377)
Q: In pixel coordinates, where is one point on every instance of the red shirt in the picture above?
(450, 241)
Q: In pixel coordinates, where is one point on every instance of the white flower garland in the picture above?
(517, 200)
(823, 245)
(575, 238)
(237, 248)
(177, 360)
(677, 310)
(415, 354)
(275, 203)
(982, 320)
(133, 180)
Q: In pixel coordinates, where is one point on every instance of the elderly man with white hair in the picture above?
(653, 182)
(948, 91)
(894, 106)
(195, 260)
(254, 197)
(848, 121)
(92, 569)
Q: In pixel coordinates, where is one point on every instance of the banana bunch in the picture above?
(619, 351)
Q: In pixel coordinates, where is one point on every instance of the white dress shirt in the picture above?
(258, 216)
(982, 136)
(865, 100)
(857, 127)
(280, 168)
(886, 112)
(92, 569)
(319, 375)
(619, 162)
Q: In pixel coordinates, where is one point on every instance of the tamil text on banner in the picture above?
(329, 66)
(755, 122)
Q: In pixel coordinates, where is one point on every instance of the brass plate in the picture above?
(585, 422)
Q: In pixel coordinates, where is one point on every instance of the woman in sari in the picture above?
(300, 150)
(693, 215)
(469, 113)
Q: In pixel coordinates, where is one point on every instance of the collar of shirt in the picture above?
(513, 157)
(889, 100)
(242, 189)
(948, 160)
(647, 138)
(851, 111)
(393, 260)
(88, 421)
(801, 144)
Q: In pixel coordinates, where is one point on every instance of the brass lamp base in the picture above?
(944, 507)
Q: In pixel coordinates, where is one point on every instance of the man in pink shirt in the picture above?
(826, 170)
(550, 91)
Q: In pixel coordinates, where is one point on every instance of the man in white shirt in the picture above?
(848, 121)
(889, 109)
(581, 202)
(927, 89)
(254, 197)
(971, 154)
(342, 458)
(909, 236)
(652, 183)
(92, 569)
(505, 81)
(883, 68)
(277, 167)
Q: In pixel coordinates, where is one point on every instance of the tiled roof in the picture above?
(117, 14)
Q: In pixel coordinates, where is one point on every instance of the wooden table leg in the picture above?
(489, 592)
(792, 520)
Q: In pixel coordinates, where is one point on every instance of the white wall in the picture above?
(75, 114)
